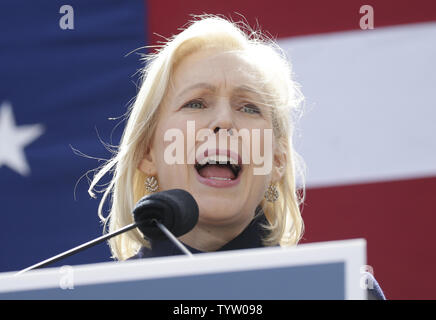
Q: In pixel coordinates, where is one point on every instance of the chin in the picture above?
(219, 210)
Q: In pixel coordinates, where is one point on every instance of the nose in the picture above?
(217, 129)
(222, 118)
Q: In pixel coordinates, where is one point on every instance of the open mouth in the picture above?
(218, 170)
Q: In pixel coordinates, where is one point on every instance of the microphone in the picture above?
(168, 213)
(176, 209)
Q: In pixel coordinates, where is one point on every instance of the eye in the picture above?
(194, 104)
(251, 109)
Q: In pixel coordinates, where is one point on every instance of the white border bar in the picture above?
(352, 252)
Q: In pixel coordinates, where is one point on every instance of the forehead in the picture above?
(220, 69)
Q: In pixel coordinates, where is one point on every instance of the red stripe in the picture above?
(286, 18)
(398, 219)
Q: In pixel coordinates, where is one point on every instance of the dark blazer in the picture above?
(251, 237)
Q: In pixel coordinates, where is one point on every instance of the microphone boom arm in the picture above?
(78, 248)
(175, 208)
(103, 238)
(173, 238)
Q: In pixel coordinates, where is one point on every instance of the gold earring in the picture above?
(151, 184)
(271, 194)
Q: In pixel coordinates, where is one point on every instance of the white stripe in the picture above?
(370, 103)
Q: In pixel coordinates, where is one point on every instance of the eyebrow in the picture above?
(202, 85)
(212, 88)
(247, 88)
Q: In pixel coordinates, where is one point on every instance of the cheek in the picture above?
(169, 156)
(173, 176)
(258, 185)
(262, 152)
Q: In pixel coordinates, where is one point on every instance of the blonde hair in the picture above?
(127, 184)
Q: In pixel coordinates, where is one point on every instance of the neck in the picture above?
(211, 238)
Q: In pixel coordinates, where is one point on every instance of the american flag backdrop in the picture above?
(368, 135)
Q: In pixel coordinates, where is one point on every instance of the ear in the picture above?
(279, 166)
(148, 165)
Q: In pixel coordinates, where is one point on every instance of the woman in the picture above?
(231, 97)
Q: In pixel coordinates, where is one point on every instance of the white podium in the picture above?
(324, 270)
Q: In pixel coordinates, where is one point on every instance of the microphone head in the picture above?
(176, 209)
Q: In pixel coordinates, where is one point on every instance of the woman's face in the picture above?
(214, 90)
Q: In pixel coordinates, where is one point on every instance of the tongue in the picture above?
(218, 171)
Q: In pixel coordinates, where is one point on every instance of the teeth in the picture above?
(219, 178)
(222, 159)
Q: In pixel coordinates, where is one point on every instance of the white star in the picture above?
(13, 140)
